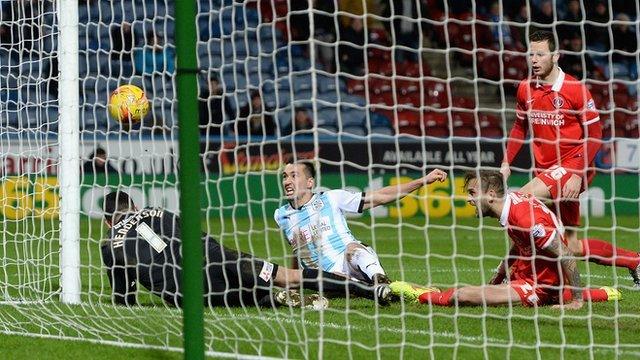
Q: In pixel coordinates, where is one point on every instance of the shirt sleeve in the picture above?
(545, 229)
(521, 101)
(347, 201)
(276, 216)
(121, 278)
(586, 106)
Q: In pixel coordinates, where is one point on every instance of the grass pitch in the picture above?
(439, 253)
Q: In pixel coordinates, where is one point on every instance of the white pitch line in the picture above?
(216, 354)
(395, 330)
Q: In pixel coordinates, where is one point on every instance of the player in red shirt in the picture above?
(560, 113)
(540, 262)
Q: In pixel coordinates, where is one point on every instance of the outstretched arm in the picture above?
(569, 270)
(391, 193)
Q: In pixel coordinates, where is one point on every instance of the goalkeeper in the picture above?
(144, 247)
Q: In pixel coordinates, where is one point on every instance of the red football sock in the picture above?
(602, 252)
(590, 294)
(441, 298)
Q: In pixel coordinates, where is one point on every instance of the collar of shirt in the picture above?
(504, 217)
(303, 205)
(557, 85)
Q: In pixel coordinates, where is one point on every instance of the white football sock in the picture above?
(367, 262)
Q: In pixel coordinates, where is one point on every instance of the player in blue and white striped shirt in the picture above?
(316, 227)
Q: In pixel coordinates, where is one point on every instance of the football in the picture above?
(128, 104)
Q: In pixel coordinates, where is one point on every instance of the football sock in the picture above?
(593, 295)
(437, 298)
(604, 253)
(367, 262)
(336, 284)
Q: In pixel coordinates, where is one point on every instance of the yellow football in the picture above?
(128, 104)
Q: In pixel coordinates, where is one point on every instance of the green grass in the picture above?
(436, 253)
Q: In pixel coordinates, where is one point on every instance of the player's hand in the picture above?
(505, 170)
(573, 305)
(435, 175)
(571, 189)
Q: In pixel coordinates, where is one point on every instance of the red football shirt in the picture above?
(556, 115)
(531, 227)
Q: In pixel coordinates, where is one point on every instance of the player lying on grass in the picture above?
(566, 130)
(144, 247)
(316, 228)
(540, 263)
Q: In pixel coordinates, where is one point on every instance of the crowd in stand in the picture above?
(371, 61)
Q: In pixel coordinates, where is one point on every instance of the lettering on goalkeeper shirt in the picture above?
(121, 229)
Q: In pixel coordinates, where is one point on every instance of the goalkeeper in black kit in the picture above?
(144, 248)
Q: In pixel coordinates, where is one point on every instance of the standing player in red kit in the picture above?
(540, 263)
(566, 132)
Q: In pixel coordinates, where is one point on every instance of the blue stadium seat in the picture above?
(381, 130)
(352, 116)
(353, 100)
(354, 130)
(326, 117)
(329, 97)
(284, 118)
(378, 120)
(301, 82)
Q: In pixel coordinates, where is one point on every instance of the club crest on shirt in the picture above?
(317, 204)
(591, 105)
(558, 102)
(538, 231)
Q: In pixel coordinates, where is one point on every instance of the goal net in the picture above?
(375, 92)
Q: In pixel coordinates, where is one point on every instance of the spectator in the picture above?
(98, 164)
(572, 63)
(597, 35)
(406, 27)
(211, 106)
(498, 31)
(544, 16)
(302, 120)
(520, 31)
(325, 31)
(566, 32)
(154, 56)
(254, 120)
(122, 42)
(624, 39)
(352, 48)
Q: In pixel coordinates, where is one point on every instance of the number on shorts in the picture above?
(557, 173)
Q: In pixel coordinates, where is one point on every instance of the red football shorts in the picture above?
(555, 178)
(532, 295)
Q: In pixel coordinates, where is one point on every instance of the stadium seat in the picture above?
(412, 69)
(385, 98)
(382, 130)
(489, 65)
(408, 118)
(301, 82)
(516, 67)
(379, 84)
(463, 103)
(352, 116)
(379, 120)
(355, 86)
(436, 124)
(354, 130)
(491, 132)
(405, 87)
(437, 94)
